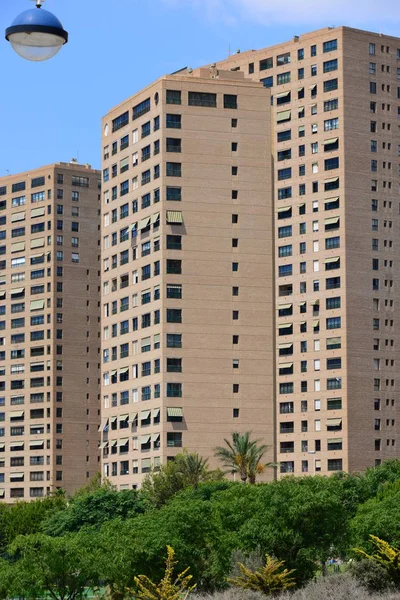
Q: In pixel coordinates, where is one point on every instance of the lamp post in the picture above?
(36, 34)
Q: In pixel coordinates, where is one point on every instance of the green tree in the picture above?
(188, 469)
(93, 509)
(243, 456)
(169, 588)
(24, 518)
(379, 516)
(61, 568)
(270, 579)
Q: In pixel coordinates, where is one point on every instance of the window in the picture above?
(173, 169)
(282, 59)
(283, 78)
(330, 65)
(174, 193)
(202, 99)
(173, 121)
(266, 63)
(173, 97)
(139, 110)
(284, 136)
(330, 85)
(120, 121)
(230, 101)
(333, 322)
(330, 46)
(331, 124)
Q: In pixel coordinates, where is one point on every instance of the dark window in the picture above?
(267, 82)
(174, 315)
(330, 85)
(174, 145)
(173, 169)
(173, 97)
(37, 182)
(230, 101)
(18, 187)
(140, 109)
(120, 121)
(174, 121)
(174, 193)
(202, 99)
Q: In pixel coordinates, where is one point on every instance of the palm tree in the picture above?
(193, 468)
(243, 455)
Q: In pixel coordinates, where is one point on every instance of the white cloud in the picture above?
(374, 13)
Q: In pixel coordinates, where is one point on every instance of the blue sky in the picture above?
(51, 111)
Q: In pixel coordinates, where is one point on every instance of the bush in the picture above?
(337, 587)
(230, 594)
(370, 575)
(270, 579)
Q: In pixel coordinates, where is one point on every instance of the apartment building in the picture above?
(49, 330)
(335, 143)
(187, 271)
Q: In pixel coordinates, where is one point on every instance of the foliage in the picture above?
(24, 518)
(335, 587)
(59, 567)
(188, 469)
(370, 574)
(387, 556)
(93, 509)
(168, 588)
(379, 516)
(270, 579)
(243, 456)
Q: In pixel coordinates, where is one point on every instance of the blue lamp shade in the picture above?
(36, 34)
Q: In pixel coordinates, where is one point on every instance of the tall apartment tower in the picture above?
(49, 330)
(335, 142)
(187, 271)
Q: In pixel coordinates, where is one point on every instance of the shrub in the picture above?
(269, 580)
(334, 587)
(387, 556)
(168, 588)
(370, 575)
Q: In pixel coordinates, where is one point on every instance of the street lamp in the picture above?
(36, 34)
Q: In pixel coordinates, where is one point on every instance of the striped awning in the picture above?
(174, 216)
(175, 412)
